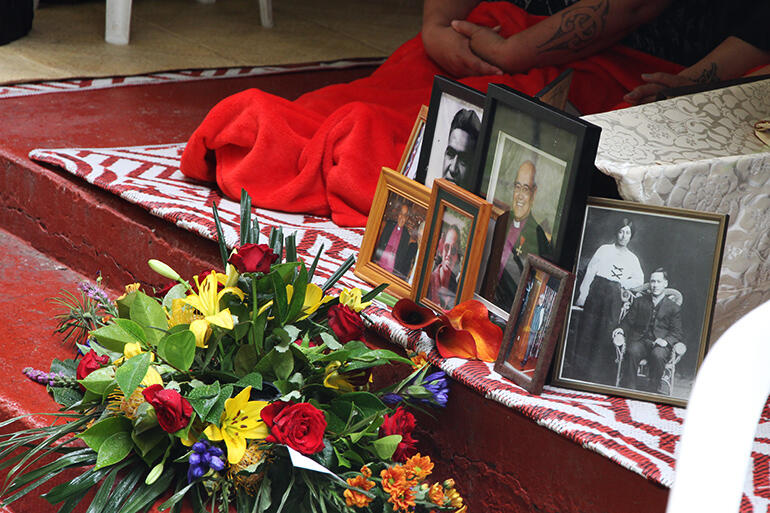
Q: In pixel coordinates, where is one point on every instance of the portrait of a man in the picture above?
(396, 248)
(448, 260)
(525, 235)
(650, 330)
(453, 147)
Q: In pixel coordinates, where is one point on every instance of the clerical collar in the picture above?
(516, 224)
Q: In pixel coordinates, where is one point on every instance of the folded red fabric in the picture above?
(322, 153)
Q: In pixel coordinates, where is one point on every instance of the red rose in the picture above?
(253, 258)
(400, 423)
(90, 362)
(345, 323)
(301, 426)
(173, 410)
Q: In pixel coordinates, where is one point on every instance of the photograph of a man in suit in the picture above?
(525, 235)
(651, 329)
(393, 252)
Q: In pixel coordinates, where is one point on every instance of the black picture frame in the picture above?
(559, 149)
(534, 324)
(611, 320)
(448, 97)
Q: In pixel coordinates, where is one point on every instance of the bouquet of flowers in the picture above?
(246, 391)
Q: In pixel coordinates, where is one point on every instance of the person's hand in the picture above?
(452, 52)
(485, 42)
(661, 342)
(655, 83)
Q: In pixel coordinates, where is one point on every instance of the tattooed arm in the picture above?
(731, 59)
(578, 31)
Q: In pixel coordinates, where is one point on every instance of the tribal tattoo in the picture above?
(578, 27)
(709, 75)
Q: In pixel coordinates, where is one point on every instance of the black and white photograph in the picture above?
(536, 162)
(411, 155)
(451, 134)
(641, 309)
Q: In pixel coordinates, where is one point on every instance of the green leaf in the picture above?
(178, 291)
(178, 349)
(95, 436)
(132, 328)
(246, 235)
(347, 264)
(386, 446)
(113, 450)
(148, 313)
(283, 364)
(291, 248)
(330, 341)
(148, 440)
(374, 292)
(99, 380)
(145, 418)
(252, 379)
(245, 360)
(114, 337)
(204, 398)
(298, 295)
(216, 411)
(220, 235)
(132, 372)
(279, 296)
(311, 272)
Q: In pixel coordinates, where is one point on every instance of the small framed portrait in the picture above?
(535, 161)
(640, 313)
(411, 156)
(450, 252)
(451, 134)
(534, 324)
(390, 248)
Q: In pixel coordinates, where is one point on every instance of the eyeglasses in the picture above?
(522, 187)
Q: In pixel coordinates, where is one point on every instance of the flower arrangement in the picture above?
(247, 391)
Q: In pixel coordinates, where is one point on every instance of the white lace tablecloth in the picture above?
(699, 152)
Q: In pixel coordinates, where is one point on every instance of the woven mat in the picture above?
(640, 436)
(61, 86)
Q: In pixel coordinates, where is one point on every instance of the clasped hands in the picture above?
(466, 49)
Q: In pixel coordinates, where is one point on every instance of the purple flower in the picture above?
(95, 292)
(38, 376)
(204, 457)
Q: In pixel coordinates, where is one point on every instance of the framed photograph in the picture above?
(534, 324)
(450, 252)
(536, 161)
(451, 134)
(390, 248)
(640, 314)
(411, 156)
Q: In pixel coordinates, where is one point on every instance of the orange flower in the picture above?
(436, 494)
(358, 499)
(366, 472)
(403, 500)
(394, 479)
(419, 360)
(463, 332)
(418, 467)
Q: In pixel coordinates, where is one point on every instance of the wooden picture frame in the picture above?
(536, 161)
(395, 194)
(451, 248)
(452, 134)
(534, 324)
(642, 272)
(407, 166)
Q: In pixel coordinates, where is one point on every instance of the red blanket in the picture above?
(322, 153)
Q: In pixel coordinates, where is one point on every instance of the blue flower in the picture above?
(203, 458)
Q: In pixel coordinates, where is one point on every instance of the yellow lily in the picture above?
(130, 350)
(352, 298)
(314, 298)
(241, 420)
(206, 301)
(334, 380)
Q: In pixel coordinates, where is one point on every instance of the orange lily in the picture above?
(465, 331)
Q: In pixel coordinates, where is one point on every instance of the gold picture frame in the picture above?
(451, 247)
(394, 196)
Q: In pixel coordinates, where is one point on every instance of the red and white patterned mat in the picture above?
(78, 84)
(640, 436)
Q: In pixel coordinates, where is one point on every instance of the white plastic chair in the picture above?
(117, 19)
(725, 405)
